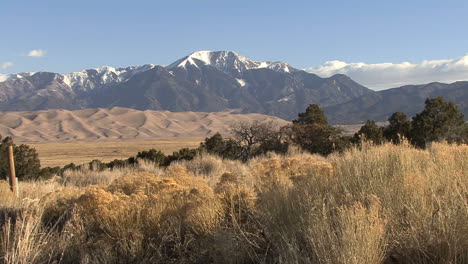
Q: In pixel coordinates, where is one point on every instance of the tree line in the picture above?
(439, 121)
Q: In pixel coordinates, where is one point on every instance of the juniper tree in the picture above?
(399, 127)
(369, 131)
(440, 120)
(312, 132)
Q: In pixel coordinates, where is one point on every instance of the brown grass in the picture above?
(377, 204)
(62, 153)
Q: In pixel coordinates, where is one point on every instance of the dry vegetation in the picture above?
(376, 204)
(62, 153)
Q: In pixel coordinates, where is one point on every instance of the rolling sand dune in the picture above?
(118, 124)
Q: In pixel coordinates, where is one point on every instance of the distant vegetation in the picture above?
(397, 194)
(439, 121)
(311, 131)
(28, 165)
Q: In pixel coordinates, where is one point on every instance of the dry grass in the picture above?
(212, 168)
(62, 153)
(376, 204)
(87, 176)
(22, 240)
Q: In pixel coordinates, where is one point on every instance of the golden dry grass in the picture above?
(62, 153)
(376, 204)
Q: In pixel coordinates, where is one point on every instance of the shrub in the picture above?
(316, 138)
(27, 163)
(117, 164)
(138, 218)
(48, 172)
(224, 148)
(182, 154)
(369, 204)
(398, 129)
(370, 131)
(153, 155)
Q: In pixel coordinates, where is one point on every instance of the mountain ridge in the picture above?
(213, 81)
(379, 106)
(202, 81)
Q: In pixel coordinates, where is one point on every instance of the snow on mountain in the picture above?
(105, 76)
(227, 61)
(206, 81)
(4, 77)
(280, 66)
(14, 76)
(89, 79)
(241, 82)
(102, 76)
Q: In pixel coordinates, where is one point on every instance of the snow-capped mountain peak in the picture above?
(14, 76)
(227, 61)
(104, 75)
(280, 66)
(91, 78)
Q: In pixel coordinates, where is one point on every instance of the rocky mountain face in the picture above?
(203, 81)
(213, 81)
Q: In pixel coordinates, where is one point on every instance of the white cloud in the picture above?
(36, 53)
(388, 75)
(6, 65)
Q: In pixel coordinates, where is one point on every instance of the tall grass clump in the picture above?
(372, 204)
(423, 196)
(310, 220)
(23, 240)
(141, 218)
(212, 168)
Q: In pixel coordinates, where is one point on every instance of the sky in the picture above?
(380, 44)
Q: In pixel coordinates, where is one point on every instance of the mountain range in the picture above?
(216, 81)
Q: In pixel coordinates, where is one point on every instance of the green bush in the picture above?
(182, 154)
(153, 155)
(312, 132)
(399, 127)
(439, 121)
(369, 131)
(48, 172)
(118, 164)
(27, 163)
(219, 146)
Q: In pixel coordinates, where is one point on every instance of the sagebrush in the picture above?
(369, 204)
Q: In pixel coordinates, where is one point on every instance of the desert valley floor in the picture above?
(62, 136)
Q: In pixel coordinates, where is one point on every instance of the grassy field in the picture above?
(62, 153)
(382, 204)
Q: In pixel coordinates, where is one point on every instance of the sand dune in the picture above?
(118, 124)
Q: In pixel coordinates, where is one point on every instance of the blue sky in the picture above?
(75, 35)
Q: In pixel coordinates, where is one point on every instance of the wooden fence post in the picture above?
(13, 180)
